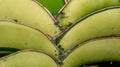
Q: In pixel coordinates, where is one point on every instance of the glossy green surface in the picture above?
(28, 59)
(29, 12)
(18, 36)
(98, 50)
(77, 9)
(102, 23)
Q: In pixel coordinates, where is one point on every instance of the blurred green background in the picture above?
(52, 5)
